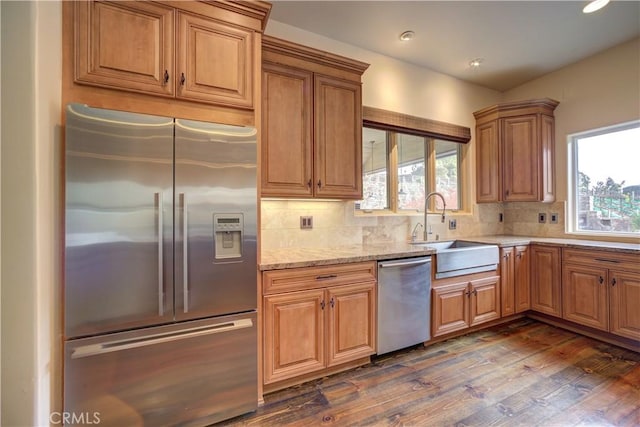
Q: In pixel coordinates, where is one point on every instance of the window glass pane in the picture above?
(607, 180)
(447, 177)
(374, 170)
(411, 171)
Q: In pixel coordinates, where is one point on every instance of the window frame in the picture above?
(571, 214)
(432, 130)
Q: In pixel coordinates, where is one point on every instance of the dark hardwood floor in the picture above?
(525, 373)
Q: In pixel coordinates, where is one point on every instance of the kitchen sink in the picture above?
(458, 257)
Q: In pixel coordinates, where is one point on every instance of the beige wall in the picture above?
(31, 76)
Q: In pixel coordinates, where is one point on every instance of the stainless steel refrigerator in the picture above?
(160, 269)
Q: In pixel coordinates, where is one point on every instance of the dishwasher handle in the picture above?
(413, 262)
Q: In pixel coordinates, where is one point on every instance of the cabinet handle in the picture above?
(601, 280)
(506, 256)
(319, 183)
(309, 183)
(613, 282)
(506, 193)
(326, 276)
(607, 260)
(322, 304)
(166, 76)
(332, 302)
(468, 293)
(182, 79)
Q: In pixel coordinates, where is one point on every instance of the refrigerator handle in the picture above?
(126, 344)
(160, 224)
(185, 254)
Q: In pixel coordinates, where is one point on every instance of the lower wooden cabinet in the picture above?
(514, 280)
(546, 279)
(460, 305)
(311, 330)
(602, 291)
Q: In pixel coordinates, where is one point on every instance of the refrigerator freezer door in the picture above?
(192, 374)
(118, 221)
(215, 250)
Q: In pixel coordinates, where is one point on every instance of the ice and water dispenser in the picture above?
(228, 230)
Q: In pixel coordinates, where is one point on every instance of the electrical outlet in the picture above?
(306, 222)
(542, 217)
(554, 218)
(453, 224)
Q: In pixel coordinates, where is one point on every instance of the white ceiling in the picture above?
(518, 40)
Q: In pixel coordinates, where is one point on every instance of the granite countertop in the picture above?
(276, 259)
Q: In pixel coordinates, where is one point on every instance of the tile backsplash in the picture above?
(335, 223)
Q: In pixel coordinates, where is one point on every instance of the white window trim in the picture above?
(572, 179)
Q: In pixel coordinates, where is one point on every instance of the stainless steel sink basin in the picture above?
(457, 257)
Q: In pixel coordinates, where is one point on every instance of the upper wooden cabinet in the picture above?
(194, 51)
(311, 122)
(515, 152)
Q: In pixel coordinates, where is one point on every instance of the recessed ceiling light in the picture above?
(407, 35)
(475, 63)
(595, 5)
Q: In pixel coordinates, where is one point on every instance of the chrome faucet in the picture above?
(414, 233)
(427, 229)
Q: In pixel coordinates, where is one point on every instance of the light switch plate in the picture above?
(453, 224)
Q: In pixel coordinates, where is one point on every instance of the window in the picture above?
(402, 164)
(604, 181)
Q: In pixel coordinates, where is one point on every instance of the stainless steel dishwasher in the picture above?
(404, 303)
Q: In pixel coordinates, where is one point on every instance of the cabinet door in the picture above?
(351, 322)
(484, 300)
(287, 151)
(520, 158)
(521, 279)
(125, 45)
(488, 174)
(215, 62)
(625, 304)
(337, 138)
(546, 280)
(507, 281)
(584, 295)
(450, 308)
(293, 334)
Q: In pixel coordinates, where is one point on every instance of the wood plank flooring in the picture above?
(525, 373)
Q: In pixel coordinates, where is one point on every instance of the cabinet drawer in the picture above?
(293, 279)
(605, 259)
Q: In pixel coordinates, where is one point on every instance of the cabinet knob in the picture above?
(319, 183)
(182, 79)
(322, 304)
(166, 76)
(613, 281)
(309, 183)
(332, 303)
(601, 279)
